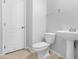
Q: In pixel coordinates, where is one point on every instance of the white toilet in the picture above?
(42, 48)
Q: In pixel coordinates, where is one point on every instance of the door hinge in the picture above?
(4, 1)
(4, 47)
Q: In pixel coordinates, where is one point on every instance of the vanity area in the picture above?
(61, 16)
(70, 38)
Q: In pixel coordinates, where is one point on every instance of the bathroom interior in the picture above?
(43, 27)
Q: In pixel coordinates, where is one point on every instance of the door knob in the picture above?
(22, 27)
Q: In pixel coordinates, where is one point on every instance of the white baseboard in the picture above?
(54, 52)
(3, 52)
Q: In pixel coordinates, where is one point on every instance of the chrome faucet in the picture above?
(71, 29)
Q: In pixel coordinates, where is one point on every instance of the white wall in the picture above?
(39, 20)
(61, 14)
(67, 14)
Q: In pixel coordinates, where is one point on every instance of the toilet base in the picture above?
(42, 54)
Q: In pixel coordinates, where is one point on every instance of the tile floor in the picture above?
(25, 54)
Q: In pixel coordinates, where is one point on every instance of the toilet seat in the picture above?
(40, 45)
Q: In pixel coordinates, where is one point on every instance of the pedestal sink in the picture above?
(70, 37)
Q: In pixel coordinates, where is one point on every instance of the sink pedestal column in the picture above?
(70, 49)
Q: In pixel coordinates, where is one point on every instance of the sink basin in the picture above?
(68, 35)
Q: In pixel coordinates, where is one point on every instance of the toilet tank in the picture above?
(50, 37)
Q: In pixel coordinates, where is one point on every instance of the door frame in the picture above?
(29, 20)
(1, 28)
(25, 26)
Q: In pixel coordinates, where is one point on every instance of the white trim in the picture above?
(54, 52)
(25, 26)
(1, 28)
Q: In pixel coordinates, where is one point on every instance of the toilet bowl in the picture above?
(42, 48)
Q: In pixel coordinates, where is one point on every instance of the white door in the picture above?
(13, 25)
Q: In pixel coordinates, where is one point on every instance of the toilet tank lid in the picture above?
(50, 34)
(40, 45)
